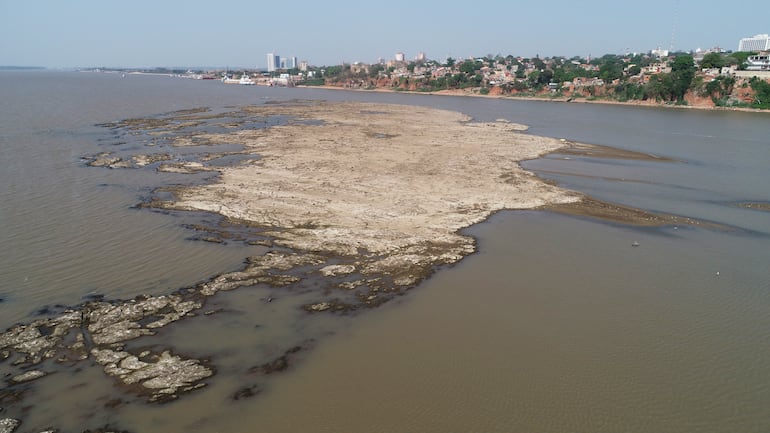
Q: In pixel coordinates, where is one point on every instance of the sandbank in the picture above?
(389, 185)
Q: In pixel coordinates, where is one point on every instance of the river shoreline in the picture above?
(580, 100)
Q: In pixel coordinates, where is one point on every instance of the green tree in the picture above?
(738, 58)
(610, 71)
(712, 60)
(469, 67)
(534, 79)
(634, 70)
(333, 71)
(641, 59)
(520, 86)
(545, 77)
(374, 70)
(659, 88)
(682, 74)
(762, 93)
(449, 62)
(720, 87)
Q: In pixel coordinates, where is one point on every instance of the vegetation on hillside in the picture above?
(670, 80)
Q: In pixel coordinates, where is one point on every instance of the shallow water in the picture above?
(557, 324)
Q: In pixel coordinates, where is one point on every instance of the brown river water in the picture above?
(557, 324)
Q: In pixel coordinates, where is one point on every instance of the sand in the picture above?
(392, 185)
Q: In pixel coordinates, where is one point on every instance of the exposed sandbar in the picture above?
(597, 151)
(395, 182)
(757, 206)
(616, 213)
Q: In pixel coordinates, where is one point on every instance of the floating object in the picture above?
(717, 273)
(635, 244)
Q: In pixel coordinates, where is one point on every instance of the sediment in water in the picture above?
(369, 198)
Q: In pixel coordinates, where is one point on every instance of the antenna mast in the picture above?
(673, 26)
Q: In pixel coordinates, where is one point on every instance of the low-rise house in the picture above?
(359, 68)
(656, 68)
(587, 82)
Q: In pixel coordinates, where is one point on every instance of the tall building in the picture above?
(399, 57)
(755, 43)
(273, 62)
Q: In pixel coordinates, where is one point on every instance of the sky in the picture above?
(239, 33)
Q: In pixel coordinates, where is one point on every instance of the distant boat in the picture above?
(246, 80)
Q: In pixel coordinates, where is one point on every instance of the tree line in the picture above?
(620, 76)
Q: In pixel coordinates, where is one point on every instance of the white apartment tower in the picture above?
(273, 62)
(755, 43)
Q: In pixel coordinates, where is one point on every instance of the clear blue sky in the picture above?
(141, 33)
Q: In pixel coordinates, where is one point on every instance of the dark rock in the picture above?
(279, 364)
(113, 403)
(246, 392)
(106, 429)
(11, 396)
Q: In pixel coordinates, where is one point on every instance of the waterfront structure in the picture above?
(755, 43)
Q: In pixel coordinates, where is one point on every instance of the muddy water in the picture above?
(557, 324)
(70, 231)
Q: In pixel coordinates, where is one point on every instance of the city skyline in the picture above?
(143, 34)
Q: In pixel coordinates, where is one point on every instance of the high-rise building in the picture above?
(399, 57)
(755, 43)
(273, 62)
